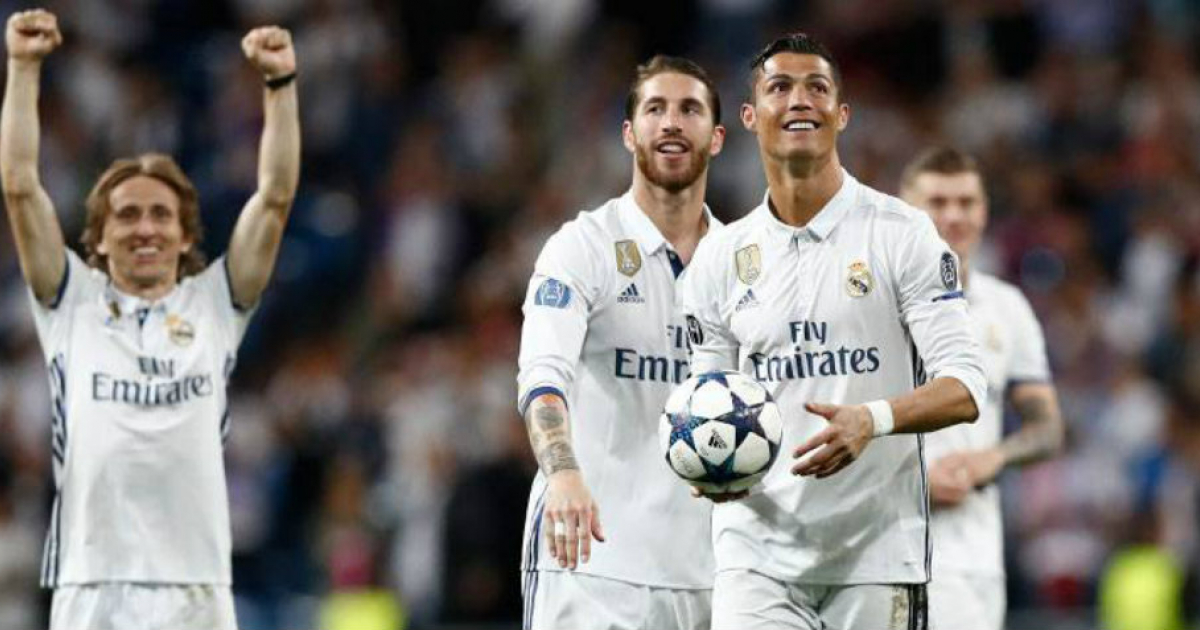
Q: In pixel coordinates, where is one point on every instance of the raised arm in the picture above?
(30, 36)
(255, 241)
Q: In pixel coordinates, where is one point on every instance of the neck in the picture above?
(679, 216)
(964, 263)
(151, 292)
(800, 188)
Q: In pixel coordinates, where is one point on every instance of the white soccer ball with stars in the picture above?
(720, 431)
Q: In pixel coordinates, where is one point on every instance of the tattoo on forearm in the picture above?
(557, 456)
(550, 439)
(548, 418)
(1039, 435)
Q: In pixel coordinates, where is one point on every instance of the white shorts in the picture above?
(745, 600)
(959, 601)
(133, 606)
(562, 600)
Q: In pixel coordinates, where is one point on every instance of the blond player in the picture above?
(140, 337)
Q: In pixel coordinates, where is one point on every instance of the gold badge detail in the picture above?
(181, 332)
(749, 264)
(629, 259)
(859, 282)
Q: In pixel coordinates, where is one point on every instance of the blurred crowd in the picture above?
(377, 469)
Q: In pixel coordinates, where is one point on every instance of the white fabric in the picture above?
(958, 601)
(123, 606)
(747, 600)
(564, 599)
(139, 409)
(968, 538)
(882, 417)
(840, 311)
(615, 344)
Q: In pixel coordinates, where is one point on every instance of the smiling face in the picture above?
(672, 133)
(143, 237)
(796, 110)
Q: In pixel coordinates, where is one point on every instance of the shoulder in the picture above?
(587, 232)
(1005, 294)
(893, 213)
(730, 236)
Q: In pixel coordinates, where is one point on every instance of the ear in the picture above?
(748, 118)
(718, 140)
(843, 116)
(627, 137)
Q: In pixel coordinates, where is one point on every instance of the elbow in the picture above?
(278, 198)
(19, 184)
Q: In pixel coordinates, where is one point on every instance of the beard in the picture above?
(671, 182)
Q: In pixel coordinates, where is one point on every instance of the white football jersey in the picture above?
(968, 538)
(602, 328)
(860, 304)
(138, 420)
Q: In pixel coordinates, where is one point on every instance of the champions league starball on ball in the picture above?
(720, 431)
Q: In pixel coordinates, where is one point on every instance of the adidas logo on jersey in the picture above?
(747, 301)
(631, 296)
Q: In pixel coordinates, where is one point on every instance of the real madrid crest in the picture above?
(749, 264)
(859, 282)
(629, 259)
(180, 331)
(949, 271)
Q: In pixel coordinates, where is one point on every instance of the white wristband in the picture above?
(881, 415)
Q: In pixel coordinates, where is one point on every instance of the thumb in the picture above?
(597, 530)
(821, 409)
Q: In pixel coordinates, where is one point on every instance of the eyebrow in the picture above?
(792, 77)
(687, 100)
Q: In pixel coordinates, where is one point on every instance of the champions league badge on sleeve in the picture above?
(749, 264)
(629, 259)
(860, 281)
(949, 271)
(553, 293)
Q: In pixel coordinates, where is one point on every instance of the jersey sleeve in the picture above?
(232, 320)
(78, 285)
(1029, 362)
(565, 285)
(934, 310)
(701, 295)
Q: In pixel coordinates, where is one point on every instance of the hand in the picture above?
(983, 465)
(719, 497)
(570, 519)
(850, 429)
(270, 49)
(31, 35)
(949, 481)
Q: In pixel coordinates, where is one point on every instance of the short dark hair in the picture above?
(800, 43)
(662, 64)
(939, 160)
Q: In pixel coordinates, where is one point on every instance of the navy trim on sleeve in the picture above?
(953, 295)
(539, 391)
(62, 284)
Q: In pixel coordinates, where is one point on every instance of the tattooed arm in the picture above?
(1042, 427)
(571, 516)
(1040, 437)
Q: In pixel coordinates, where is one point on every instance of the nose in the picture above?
(145, 225)
(798, 100)
(671, 121)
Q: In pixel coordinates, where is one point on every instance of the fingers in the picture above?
(569, 535)
(821, 409)
(270, 38)
(814, 442)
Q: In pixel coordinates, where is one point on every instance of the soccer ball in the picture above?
(720, 431)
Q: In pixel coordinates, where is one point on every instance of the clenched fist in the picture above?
(270, 49)
(31, 35)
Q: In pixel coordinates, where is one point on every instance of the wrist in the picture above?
(279, 81)
(882, 420)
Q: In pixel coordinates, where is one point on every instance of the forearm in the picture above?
(19, 129)
(279, 150)
(1042, 428)
(940, 403)
(550, 434)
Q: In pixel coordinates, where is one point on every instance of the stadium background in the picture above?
(377, 468)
